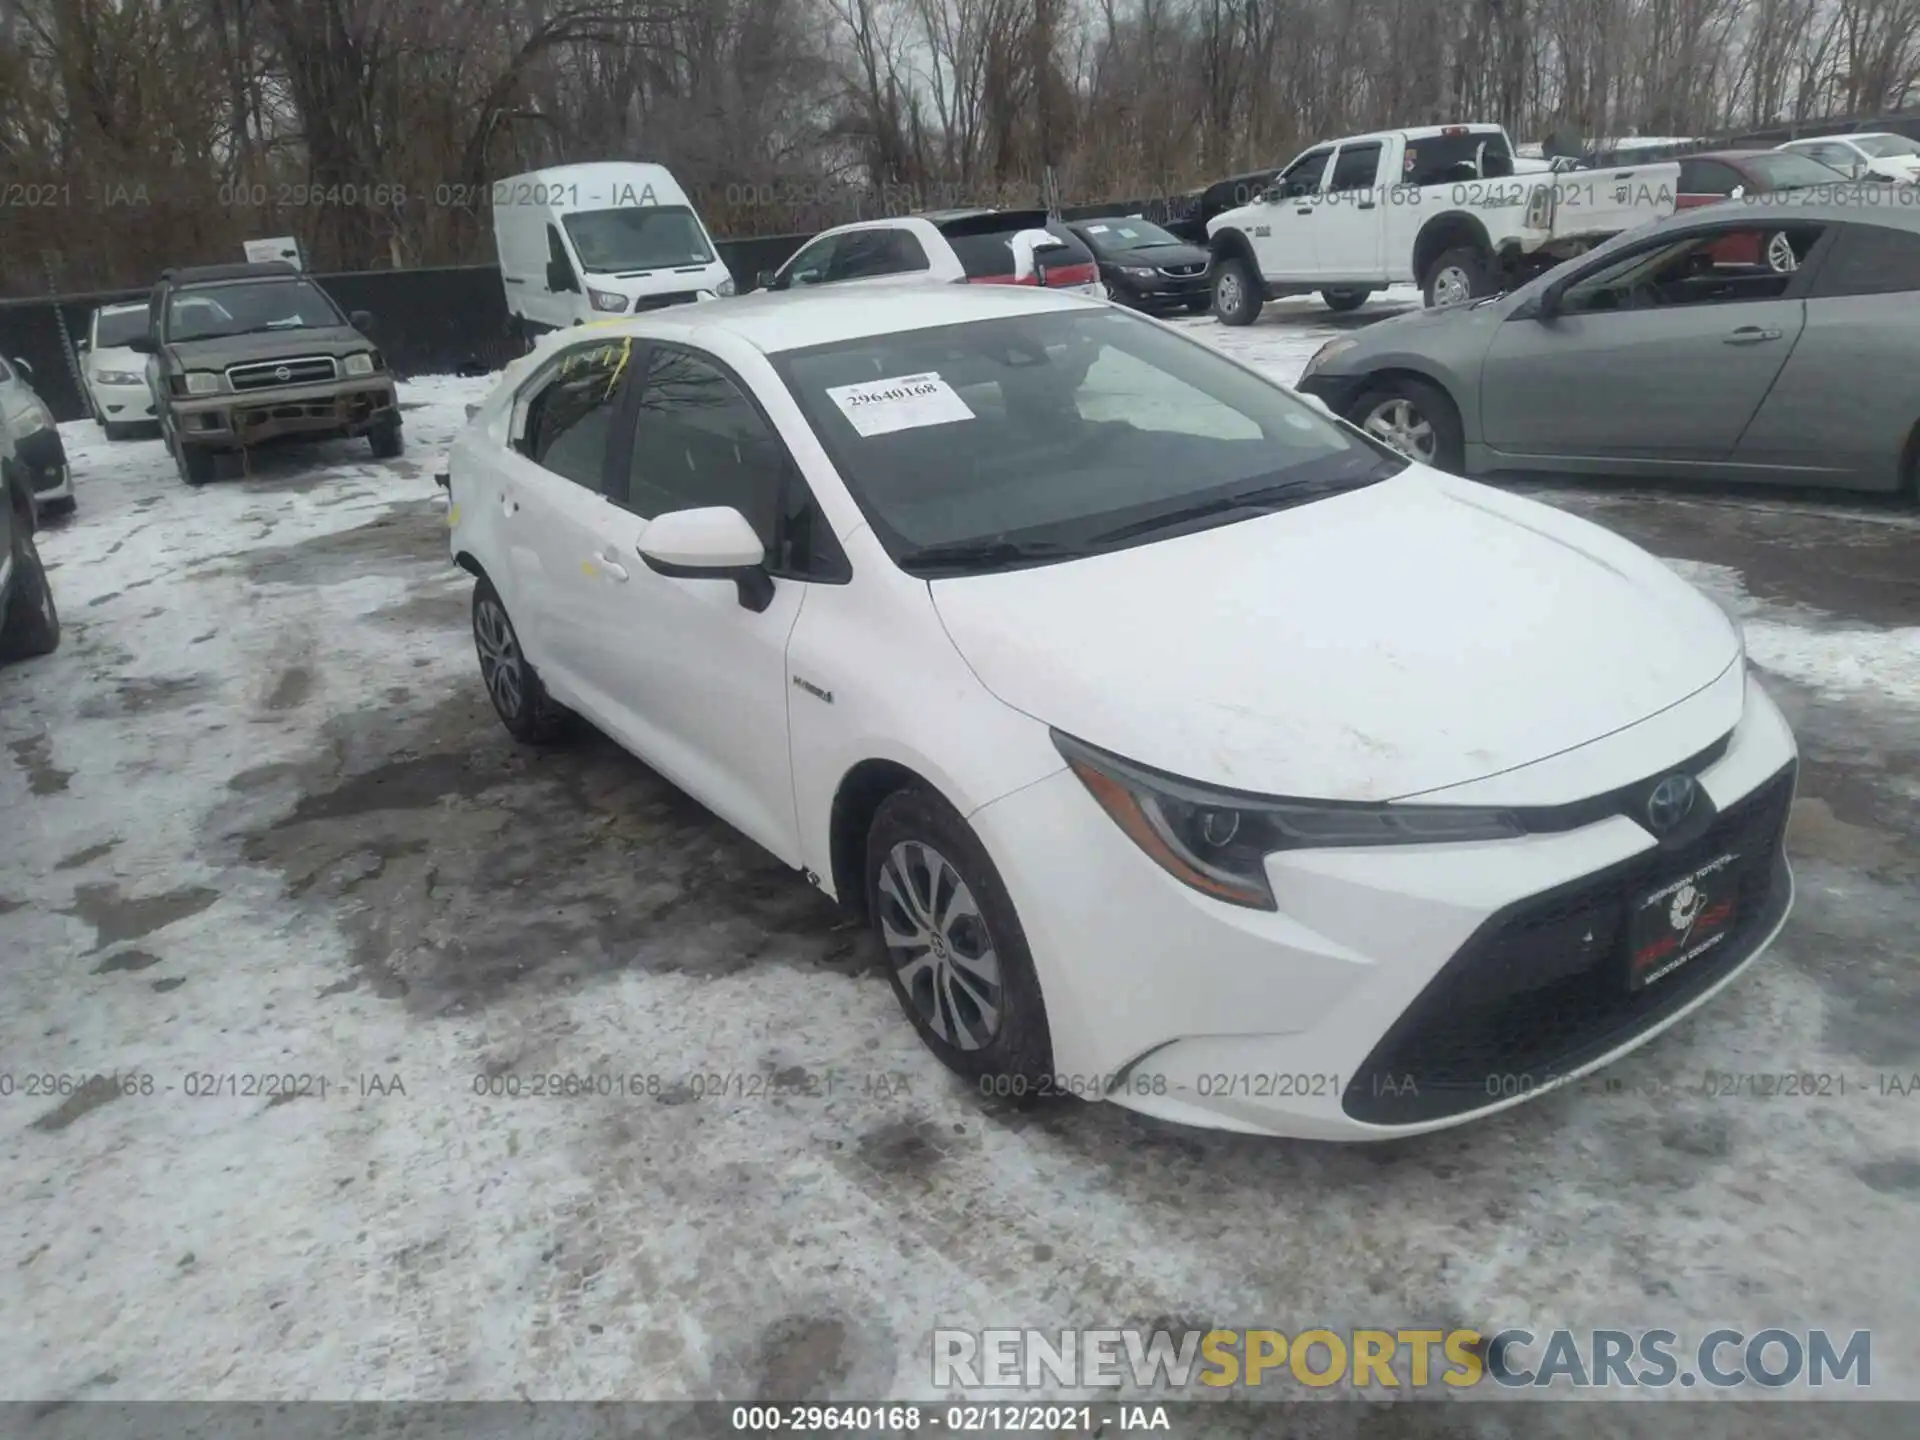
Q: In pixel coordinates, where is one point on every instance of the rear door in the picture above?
(1656, 358)
(1849, 395)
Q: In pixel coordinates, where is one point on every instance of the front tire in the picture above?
(31, 625)
(1199, 304)
(1237, 293)
(956, 954)
(1341, 301)
(388, 442)
(531, 715)
(1461, 274)
(1417, 419)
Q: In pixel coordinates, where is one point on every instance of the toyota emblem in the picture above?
(283, 373)
(1670, 803)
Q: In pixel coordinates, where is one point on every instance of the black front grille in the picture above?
(1541, 988)
(1181, 271)
(266, 374)
(670, 297)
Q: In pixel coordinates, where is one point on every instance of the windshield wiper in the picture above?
(985, 554)
(1267, 499)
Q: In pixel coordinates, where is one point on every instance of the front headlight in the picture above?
(33, 420)
(607, 300)
(203, 382)
(1217, 841)
(724, 288)
(117, 377)
(358, 363)
(1138, 272)
(1326, 352)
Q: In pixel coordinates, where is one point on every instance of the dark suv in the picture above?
(243, 354)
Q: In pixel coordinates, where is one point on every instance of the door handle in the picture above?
(1303, 210)
(1364, 204)
(1751, 335)
(609, 566)
(508, 505)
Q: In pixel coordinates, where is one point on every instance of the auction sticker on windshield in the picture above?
(902, 402)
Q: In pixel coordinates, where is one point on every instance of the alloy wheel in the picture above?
(1399, 423)
(938, 943)
(1780, 257)
(500, 664)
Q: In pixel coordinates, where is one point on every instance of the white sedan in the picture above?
(1184, 748)
(1874, 155)
(116, 377)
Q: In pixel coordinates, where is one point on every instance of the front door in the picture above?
(1656, 355)
(699, 678)
(1287, 221)
(1351, 238)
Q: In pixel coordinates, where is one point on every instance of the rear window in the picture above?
(984, 243)
(1786, 170)
(1446, 159)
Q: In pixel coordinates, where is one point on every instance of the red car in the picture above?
(1723, 174)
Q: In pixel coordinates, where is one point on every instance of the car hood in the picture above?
(1417, 634)
(219, 351)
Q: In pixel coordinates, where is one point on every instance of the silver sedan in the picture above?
(1671, 352)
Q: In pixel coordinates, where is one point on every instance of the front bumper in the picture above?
(339, 407)
(44, 458)
(122, 404)
(1397, 990)
(1163, 289)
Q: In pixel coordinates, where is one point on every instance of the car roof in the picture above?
(1725, 154)
(121, 306)
(203, 274)
(772, 322)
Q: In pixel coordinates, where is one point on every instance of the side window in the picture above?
(1303, 176)
(811, 265)
(1718, 267)
(557, 259)
(700, 441)
(862, 255)
(568, 420)
(1356, 167)
(1708, 177)
(1869, 260)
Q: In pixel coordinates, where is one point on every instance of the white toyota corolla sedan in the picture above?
(1184, 748)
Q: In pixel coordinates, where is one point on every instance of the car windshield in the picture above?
(1126, 234)
(1042, 436)
(117, 327)
(1784, 170)
(652, 237)
(1880, 146)
(249, 307)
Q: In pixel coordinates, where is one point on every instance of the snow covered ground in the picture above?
(261, 822)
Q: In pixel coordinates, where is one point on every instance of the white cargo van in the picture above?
(587, 242)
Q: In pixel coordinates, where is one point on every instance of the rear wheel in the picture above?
(1344, 300)
(1461, 274)
(957, 957)
(1415, 418)
(31, 624)
(1237, 293)
(521, 701)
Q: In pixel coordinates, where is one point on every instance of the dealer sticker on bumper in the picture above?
(1681, 921)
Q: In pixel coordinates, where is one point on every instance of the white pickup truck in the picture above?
(1447, 206)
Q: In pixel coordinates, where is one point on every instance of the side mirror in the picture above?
(361, 320)
(143, 345)
(1273, 194)
(1548, 305)
(560, 277)
(713, 543)
(82, 345)
(24, 368)
(768, 280)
